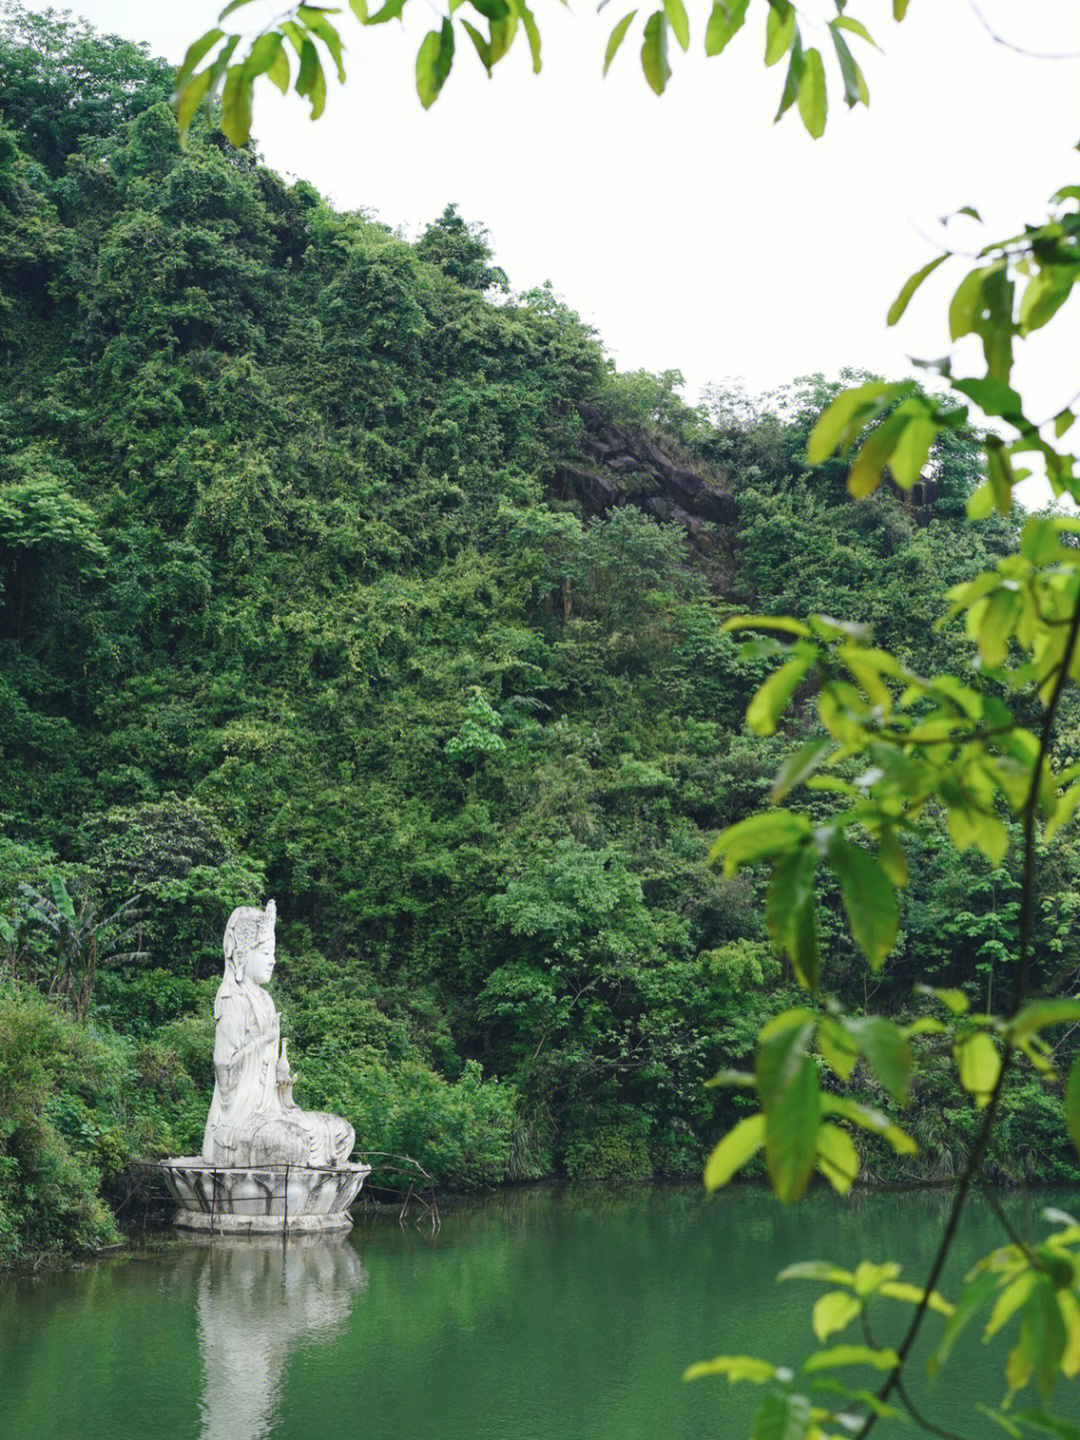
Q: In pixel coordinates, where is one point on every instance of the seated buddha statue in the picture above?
(253, 1118)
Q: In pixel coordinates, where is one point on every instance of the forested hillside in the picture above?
(333, 571)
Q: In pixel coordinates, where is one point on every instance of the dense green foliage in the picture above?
(290, 605)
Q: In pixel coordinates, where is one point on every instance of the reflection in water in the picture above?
(257, 1302)
(539, 1315)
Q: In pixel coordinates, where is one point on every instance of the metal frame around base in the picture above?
(262, 1199)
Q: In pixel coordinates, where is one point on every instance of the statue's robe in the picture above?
(249, 1122)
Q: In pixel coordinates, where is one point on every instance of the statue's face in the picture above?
(260, 961)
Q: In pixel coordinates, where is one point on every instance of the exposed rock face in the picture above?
(619, 467)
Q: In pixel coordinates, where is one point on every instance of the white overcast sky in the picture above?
(689, 230)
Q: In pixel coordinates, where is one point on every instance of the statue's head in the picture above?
(249, 943)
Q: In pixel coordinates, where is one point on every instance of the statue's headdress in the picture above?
(247, 927)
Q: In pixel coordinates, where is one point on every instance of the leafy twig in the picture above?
(978, 1150)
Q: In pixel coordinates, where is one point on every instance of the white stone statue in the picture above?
(253, 1118)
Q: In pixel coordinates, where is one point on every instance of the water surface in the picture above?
(536, 1315)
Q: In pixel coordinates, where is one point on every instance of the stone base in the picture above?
(263, 1199)
(225, 1224)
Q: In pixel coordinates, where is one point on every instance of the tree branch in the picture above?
(982, 1140)
(1020, 49)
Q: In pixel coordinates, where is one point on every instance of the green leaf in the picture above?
(999, 474)
(779, 31)
(869, 899)
(317, 22)
(837, 1049)
(390, 11)
(817, 1270)
(789, 912)
(1064, 810)
(433, 62)
(1048, 1335)
(926, 1025)
(782, 1045)
(834, 1312)
(964, 303)
(195, 52)
(903, 300)
(1072, 1104)
(307, 81)
(798, 765)
(758, 836)
(855, 91)
(979, 1064)
(842, 420)
(782, 1417)
(880, 1408)
(974, 1296)
(7, 931)
(61, 899)
(869, 1278)
(813, 94)
(532, 34)
(954, 1000)
(892, 858)
(675, 11)
(968, 299)
(913, 1294)
(616, 38)
(1038, 1014)
(993, 397)
(480, 44)
(910, 453)
(739, 1079)
(735, 1367)
(870, 1119)
(236, 105)
(766, 622)
(1009, 1301)
(838, 1160)
(791, 1132)
(994, 322)
(191, 97)
(502, 36)
(852, 1355)
(887, 1052)
(724, 22)
(1048, 1424)
(796, 66)
(865, 474)
(1044, 295)
(734, 1150)
(278, 72)
(654, 61)
(491, 9)
(856, 27)
(771, 699)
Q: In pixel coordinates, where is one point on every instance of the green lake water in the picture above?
(539, 1314)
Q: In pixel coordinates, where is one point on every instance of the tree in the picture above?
(981, 752)
(66, 86)
(461, 251)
